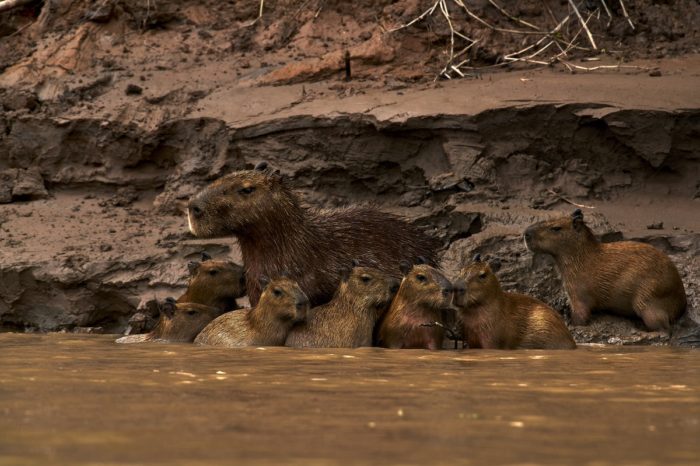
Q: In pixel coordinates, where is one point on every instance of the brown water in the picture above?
(68, 399)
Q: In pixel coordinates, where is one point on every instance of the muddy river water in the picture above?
(67, 399)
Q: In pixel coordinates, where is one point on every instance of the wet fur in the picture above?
(215, 283)
(626, 277)
(494, 319)
(314, 246)
(416, 304)
(267, 324)
(183, 326)
(348, 320)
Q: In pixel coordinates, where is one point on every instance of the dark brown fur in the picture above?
(494, 319)
(348, 320)
(423, 294)
(281, 305)
(277, 234)
(178, 323)
(215, 283)
(626, 277)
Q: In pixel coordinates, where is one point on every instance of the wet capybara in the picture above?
(625, 277)
(214, 283)
(495, 319)
(348, 320)
(276, 233)
(281, 305)
(423, 294)
(178, 323)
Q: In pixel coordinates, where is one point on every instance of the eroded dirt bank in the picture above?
(92, 175)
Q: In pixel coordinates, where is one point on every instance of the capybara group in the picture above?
(277, 234)
(348, 320)
(495, 319)
(625, 277)
(281, 305)
(178, 323)
(409, 323)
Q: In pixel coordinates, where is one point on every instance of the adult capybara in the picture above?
(348, 320)
(214, 283)
(178, 323)
(281, 305)
(494, 319)
(423, 294)
(277, 234)
(624, 277)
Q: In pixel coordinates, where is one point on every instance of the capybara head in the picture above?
(369, 287)
(238, 203)
(559, 236)
(283, 300)
(215, 281)
(476, 284)
(424, 285)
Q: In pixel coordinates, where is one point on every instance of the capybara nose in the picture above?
(446, 291)
(195, 210)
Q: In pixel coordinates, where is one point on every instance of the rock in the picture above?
(133, 89)
(29, 185)
(656, 226)
(7, 182)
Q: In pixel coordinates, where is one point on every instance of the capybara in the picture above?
(624, 277)
(276, 233)
(281, 305)
(348, 320)
(423, 294)
(495, 319)
(214, 283)
(178, 323)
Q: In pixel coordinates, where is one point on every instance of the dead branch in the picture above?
(560, 197)
(583, 24)
(624, 13)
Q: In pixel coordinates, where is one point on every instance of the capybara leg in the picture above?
(580, 312)
(654, 317)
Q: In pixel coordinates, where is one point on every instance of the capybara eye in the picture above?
(213, 272)
(277, 292)
(555, 228)
(247, 190)
(365, 278)
(482, 275)
(191, 313)
(421, 278)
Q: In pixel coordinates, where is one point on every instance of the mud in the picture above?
(93, 178)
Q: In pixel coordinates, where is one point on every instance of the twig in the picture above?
(551, 191)
(427, 12)
(607, 11)
(260, 13)
(513, 18)
(583, 23)
(604, 67)
(624, 13)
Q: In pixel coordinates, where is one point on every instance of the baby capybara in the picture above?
(277, 234)
(178, 323)
(348, 320)
(214, 283)
(625, 277)
(423, 294)
(495, 319)
(281, 305)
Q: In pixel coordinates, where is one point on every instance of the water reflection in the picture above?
(70, 399)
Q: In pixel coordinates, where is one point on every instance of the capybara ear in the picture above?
(205, 256)
(261, 166)
(495, 264)
(168, 307)
(577, 218)
(192, 267)
(263, 281)
(355, 263)
(421, 260)
(477, 258)
(405, 267)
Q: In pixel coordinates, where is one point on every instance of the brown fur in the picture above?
(277, 234)
(281, 305)
(215, 283)
(626, 277)
(180, 324)
(494, 319)
(423, 294)
(348, 320)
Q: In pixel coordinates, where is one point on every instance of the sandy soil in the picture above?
(93, 176)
